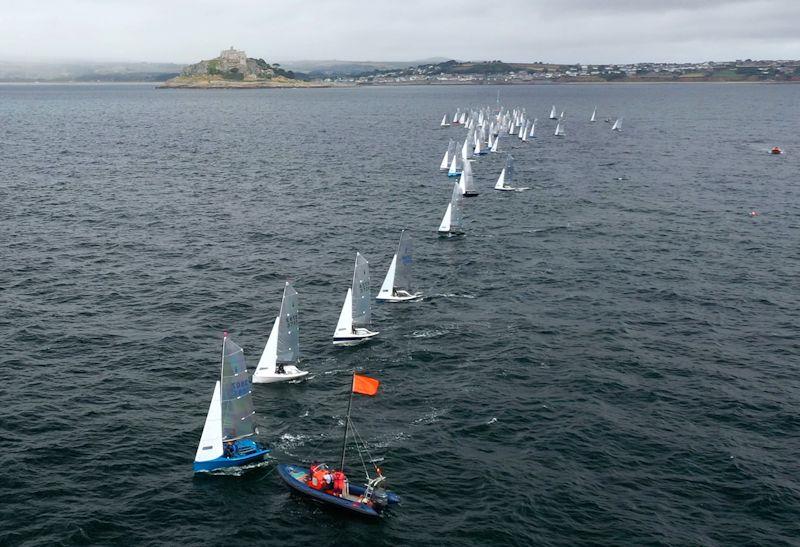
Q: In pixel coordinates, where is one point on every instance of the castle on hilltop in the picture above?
(230, 58)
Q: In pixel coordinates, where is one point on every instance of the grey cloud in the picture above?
(516, 30)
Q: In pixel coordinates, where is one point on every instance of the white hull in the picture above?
(358, 336)
(290, 372)
(405, 297)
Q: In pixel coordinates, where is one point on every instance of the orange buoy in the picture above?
(776, 150)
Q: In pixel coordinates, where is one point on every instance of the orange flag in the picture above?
(365, 385)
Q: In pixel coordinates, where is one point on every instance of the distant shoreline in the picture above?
(316, 84)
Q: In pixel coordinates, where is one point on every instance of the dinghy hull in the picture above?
(294, 476)
(395, 298)
(357, 337)
(290, 373)
(247, 452)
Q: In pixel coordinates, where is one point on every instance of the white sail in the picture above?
(594, 115)
(477, 150)
(559, 130)
(533, 128)
(387, 288)
(345, 325)
(553, 113)
(521, 130)
(495, 144)
(561, 117)
(463, 118)
(525, 133)
(210, 446)
(453, 171)
(360, 296)
(617, 125)
(444, 121)
(269, 357)
(445, 162)
(465, 149)
(501, 180)
(467, 180)
(445, 225)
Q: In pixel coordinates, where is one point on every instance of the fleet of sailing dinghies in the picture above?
(398, 285)
(279, 360)
(452, 222)
(230, 423)
(354, 320)
(228, 438)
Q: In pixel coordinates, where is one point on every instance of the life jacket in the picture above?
(338, 482)
(318, 479)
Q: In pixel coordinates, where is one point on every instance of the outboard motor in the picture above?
(380, 498)
(378, 495)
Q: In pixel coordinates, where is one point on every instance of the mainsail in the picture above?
(238, 416)
(509, 169)
(402, 274)
(361, 315)
(288, 327)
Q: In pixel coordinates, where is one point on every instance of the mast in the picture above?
(347, 420)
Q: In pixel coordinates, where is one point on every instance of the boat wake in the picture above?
(235, 471)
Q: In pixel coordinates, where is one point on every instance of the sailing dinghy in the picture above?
(507, 176)
(451, 146)
(354, 319)
(452, 222)
(230, 423)
(594, 115)
(553, 113)
(444, 122)
(559, 130)
(617, 125)
(397, 286)
(331, 487)
(467, 181)
(279, 360)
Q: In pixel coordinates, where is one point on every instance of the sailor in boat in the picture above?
(776, 150)
(279, 368)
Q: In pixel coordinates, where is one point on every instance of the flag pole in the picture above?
(347, 419)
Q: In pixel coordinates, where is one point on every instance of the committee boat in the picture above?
(228, 435)
(332, 487)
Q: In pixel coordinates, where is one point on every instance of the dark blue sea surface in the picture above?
(609, 358)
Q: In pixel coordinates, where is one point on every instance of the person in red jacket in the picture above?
(339, 480)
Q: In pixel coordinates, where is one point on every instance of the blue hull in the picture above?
(453, 174)
(293, 476)
(247, 452)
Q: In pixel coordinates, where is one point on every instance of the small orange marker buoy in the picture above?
(776, 150)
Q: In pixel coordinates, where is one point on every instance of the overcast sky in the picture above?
(588, 31)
